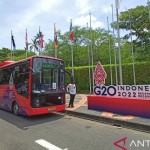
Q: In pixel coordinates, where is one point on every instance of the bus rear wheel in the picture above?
(15, 109)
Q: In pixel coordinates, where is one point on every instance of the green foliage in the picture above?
(82, 46)
(7, 54)
(81, 78)
(4, 53)
(22, 55)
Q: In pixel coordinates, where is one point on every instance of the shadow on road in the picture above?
(23, 122)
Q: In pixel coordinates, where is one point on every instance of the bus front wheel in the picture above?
(15, 108)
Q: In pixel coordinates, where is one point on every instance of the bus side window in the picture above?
(21, 79)
(1, 76)
(6, 76)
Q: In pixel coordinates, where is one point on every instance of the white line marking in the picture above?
(48, 145)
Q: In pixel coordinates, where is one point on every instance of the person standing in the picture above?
(71, 89)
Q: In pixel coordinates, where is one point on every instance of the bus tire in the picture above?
(15, 109)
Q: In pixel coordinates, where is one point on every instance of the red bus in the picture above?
(33, 86)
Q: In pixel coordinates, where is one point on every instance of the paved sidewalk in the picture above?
(80, 109)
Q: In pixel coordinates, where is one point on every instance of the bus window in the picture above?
(21, 79)
(1, 77)
(49, 76)
(47, 82)
(5, 76)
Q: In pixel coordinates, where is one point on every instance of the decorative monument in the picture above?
(124, 99)
(99, 74)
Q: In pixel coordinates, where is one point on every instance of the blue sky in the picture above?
(17, 15)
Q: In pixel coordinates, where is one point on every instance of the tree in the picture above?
(34, 45)
(140, 28)
(4, 54)
(81, 46)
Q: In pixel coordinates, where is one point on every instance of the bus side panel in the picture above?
(21, 101)
(5, 97)
(8, 95)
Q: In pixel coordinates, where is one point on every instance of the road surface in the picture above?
(60, 132)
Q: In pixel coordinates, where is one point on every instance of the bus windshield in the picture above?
(48, 75)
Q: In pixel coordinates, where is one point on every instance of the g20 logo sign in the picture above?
(135, 91)
(105, 90)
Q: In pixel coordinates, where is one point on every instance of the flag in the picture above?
(26, 40)
(13, 42)
(71, 31)
(41, 41)
(118, 3)
(55, 37)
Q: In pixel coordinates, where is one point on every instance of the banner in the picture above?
(126, 91)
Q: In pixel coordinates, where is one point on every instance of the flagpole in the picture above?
(72, 59)
(40, 50)
(55, 51)
(71, 42)
(109, 52)
(116, 72)
(55, 41)
(132, 49)
(119, 51)
(89, 62)
(91, 52)
(26, 40)
(39, 41)
(11, 44)
(149, 10)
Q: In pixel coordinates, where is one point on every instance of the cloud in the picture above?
(1, 1)
(83, 6)
(107, 9)
(29, 16)
(83, 20)
(46, 5)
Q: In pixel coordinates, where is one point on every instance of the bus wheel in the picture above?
(15, 109)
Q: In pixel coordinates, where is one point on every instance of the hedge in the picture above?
(81, 75)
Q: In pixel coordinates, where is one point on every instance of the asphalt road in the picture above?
(57, 132)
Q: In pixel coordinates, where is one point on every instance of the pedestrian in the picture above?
(71, 89)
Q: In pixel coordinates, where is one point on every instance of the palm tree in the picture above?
(34, 45)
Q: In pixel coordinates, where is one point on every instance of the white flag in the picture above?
(118, 3)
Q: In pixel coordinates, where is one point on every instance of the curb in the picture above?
(114, 122)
